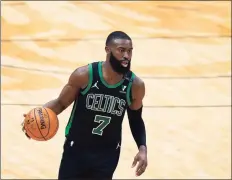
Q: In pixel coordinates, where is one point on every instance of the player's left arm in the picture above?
(134, 112)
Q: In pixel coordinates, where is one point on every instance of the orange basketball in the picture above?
(41, 124)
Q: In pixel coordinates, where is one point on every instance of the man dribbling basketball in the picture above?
(102, 92)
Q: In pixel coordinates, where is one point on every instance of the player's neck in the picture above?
(110, 73)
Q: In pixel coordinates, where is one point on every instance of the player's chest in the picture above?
(116, 92)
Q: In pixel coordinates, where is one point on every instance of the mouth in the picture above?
(125, 63)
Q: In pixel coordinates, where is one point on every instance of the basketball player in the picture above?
(102, 92)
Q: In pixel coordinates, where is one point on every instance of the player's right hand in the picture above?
(23, 128)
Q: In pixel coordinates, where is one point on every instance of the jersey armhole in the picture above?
(84, 91)
(129, 91)
(70, 119)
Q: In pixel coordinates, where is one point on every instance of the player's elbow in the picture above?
(135, 113)
(135, 118)
(137, 126)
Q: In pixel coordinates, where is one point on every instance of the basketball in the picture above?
(41, 124)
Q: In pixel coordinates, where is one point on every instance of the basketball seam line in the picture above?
(38, 125)
(48, 123)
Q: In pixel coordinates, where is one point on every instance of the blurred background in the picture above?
(182, 50)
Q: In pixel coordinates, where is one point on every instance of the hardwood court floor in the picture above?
(171, 39)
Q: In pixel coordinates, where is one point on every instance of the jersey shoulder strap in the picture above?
(127, 84)
(95, 66)
(91, 73)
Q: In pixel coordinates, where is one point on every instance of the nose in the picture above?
(126, 56)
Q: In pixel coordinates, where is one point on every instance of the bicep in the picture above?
(72, 88)
(68, 95)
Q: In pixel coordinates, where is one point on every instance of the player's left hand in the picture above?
(141, 159)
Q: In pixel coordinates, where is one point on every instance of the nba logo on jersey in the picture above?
(123, 89)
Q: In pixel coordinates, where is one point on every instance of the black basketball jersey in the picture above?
(98, 111)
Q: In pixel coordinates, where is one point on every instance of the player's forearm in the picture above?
(138, 132)
(55, 105)
(137, 127)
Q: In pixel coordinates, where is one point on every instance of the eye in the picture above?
(121, 50)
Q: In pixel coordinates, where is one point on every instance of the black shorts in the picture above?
(79, 163)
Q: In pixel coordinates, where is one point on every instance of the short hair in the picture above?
(116, 35)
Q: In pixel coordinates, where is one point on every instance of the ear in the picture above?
(107, 49)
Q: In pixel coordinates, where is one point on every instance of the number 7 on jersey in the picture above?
(104, 120)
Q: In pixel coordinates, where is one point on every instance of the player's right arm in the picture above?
(77, 80)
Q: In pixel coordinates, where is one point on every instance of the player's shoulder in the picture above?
(137, 81)
(138, 87)
(83, 70)
(81, 74)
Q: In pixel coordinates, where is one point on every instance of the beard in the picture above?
(117, 66)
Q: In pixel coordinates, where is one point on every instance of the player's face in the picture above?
(120, 55)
